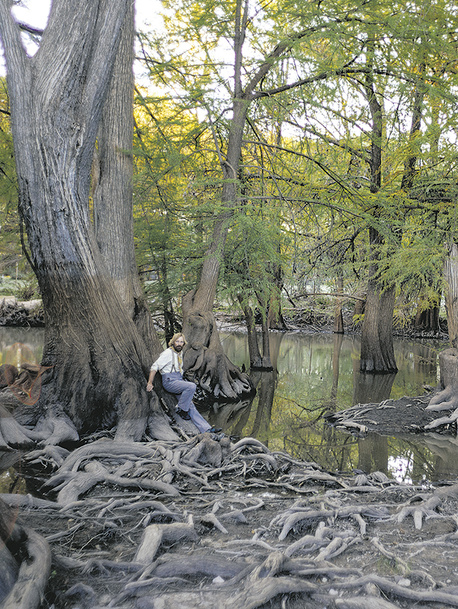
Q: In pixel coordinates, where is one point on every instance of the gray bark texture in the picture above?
(97, 359)
(451, 293)
(207, 365)
(377, 350)
(25, 563)
(447, 397)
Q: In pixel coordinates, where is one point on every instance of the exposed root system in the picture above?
(163, 525)
(406, 415)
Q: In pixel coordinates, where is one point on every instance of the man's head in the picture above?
(177, 342)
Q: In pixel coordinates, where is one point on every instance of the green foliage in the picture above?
(308, 187)
(11, 259)
(175, 197)
(252, 256)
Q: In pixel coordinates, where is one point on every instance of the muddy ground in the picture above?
(391, 417)
(257, 529)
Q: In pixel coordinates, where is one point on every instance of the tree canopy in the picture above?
(278, 150)
(350, 127)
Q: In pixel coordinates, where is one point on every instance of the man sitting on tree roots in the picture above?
(170, 365)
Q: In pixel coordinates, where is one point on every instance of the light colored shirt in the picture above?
(168, 361)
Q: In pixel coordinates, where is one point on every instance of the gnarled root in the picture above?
(25, 563)
(157, 534)
(27, 592)
(447, 399)
(12, 433)
(206, 363)
(55, 428)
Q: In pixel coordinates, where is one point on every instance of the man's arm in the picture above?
(149, 385)
(164, 358)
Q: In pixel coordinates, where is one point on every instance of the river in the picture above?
(314, 374)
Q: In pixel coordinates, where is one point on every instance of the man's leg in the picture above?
(198, 420)
(174, 383)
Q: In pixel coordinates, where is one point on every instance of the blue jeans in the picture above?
(173, 382)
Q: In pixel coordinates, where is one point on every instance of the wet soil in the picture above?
(391, 417)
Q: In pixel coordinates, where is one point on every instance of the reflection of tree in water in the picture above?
(421, 456)
(336, 349)
(292, 417)
(19, 370)
(373, 454)
(17, 354)
(234, 417)
(372, 388)
(30, 339)
(442, 463)
(265, 383)
(224, 415)
(315, 441)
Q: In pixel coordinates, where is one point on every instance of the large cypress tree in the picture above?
(96, 356)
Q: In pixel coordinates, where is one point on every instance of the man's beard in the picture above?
(178, 348)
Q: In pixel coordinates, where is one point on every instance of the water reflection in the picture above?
(318, 374)
(19, 345)
(314, 375)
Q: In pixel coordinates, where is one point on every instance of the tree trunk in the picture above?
(205, 362)
(257, 361)
(447, 398)
(113, 209)
(338, 316)
(377, 351)
(427, 320)
(266, 363)
(225, 381)
(253, 346)
(266, 384)
(275, 319)
(337, 346)
(451, 293)
(92, 346)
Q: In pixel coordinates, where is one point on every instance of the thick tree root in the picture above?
(25, 563)
(443, 421)
(28, 591)
(447, 399)
(206, 363)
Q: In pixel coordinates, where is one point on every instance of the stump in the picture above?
(447, 398)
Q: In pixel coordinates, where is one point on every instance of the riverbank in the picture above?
(29, 313)
(21, 313)
(257, 529)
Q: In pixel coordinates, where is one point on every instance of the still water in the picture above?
(314, 374)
